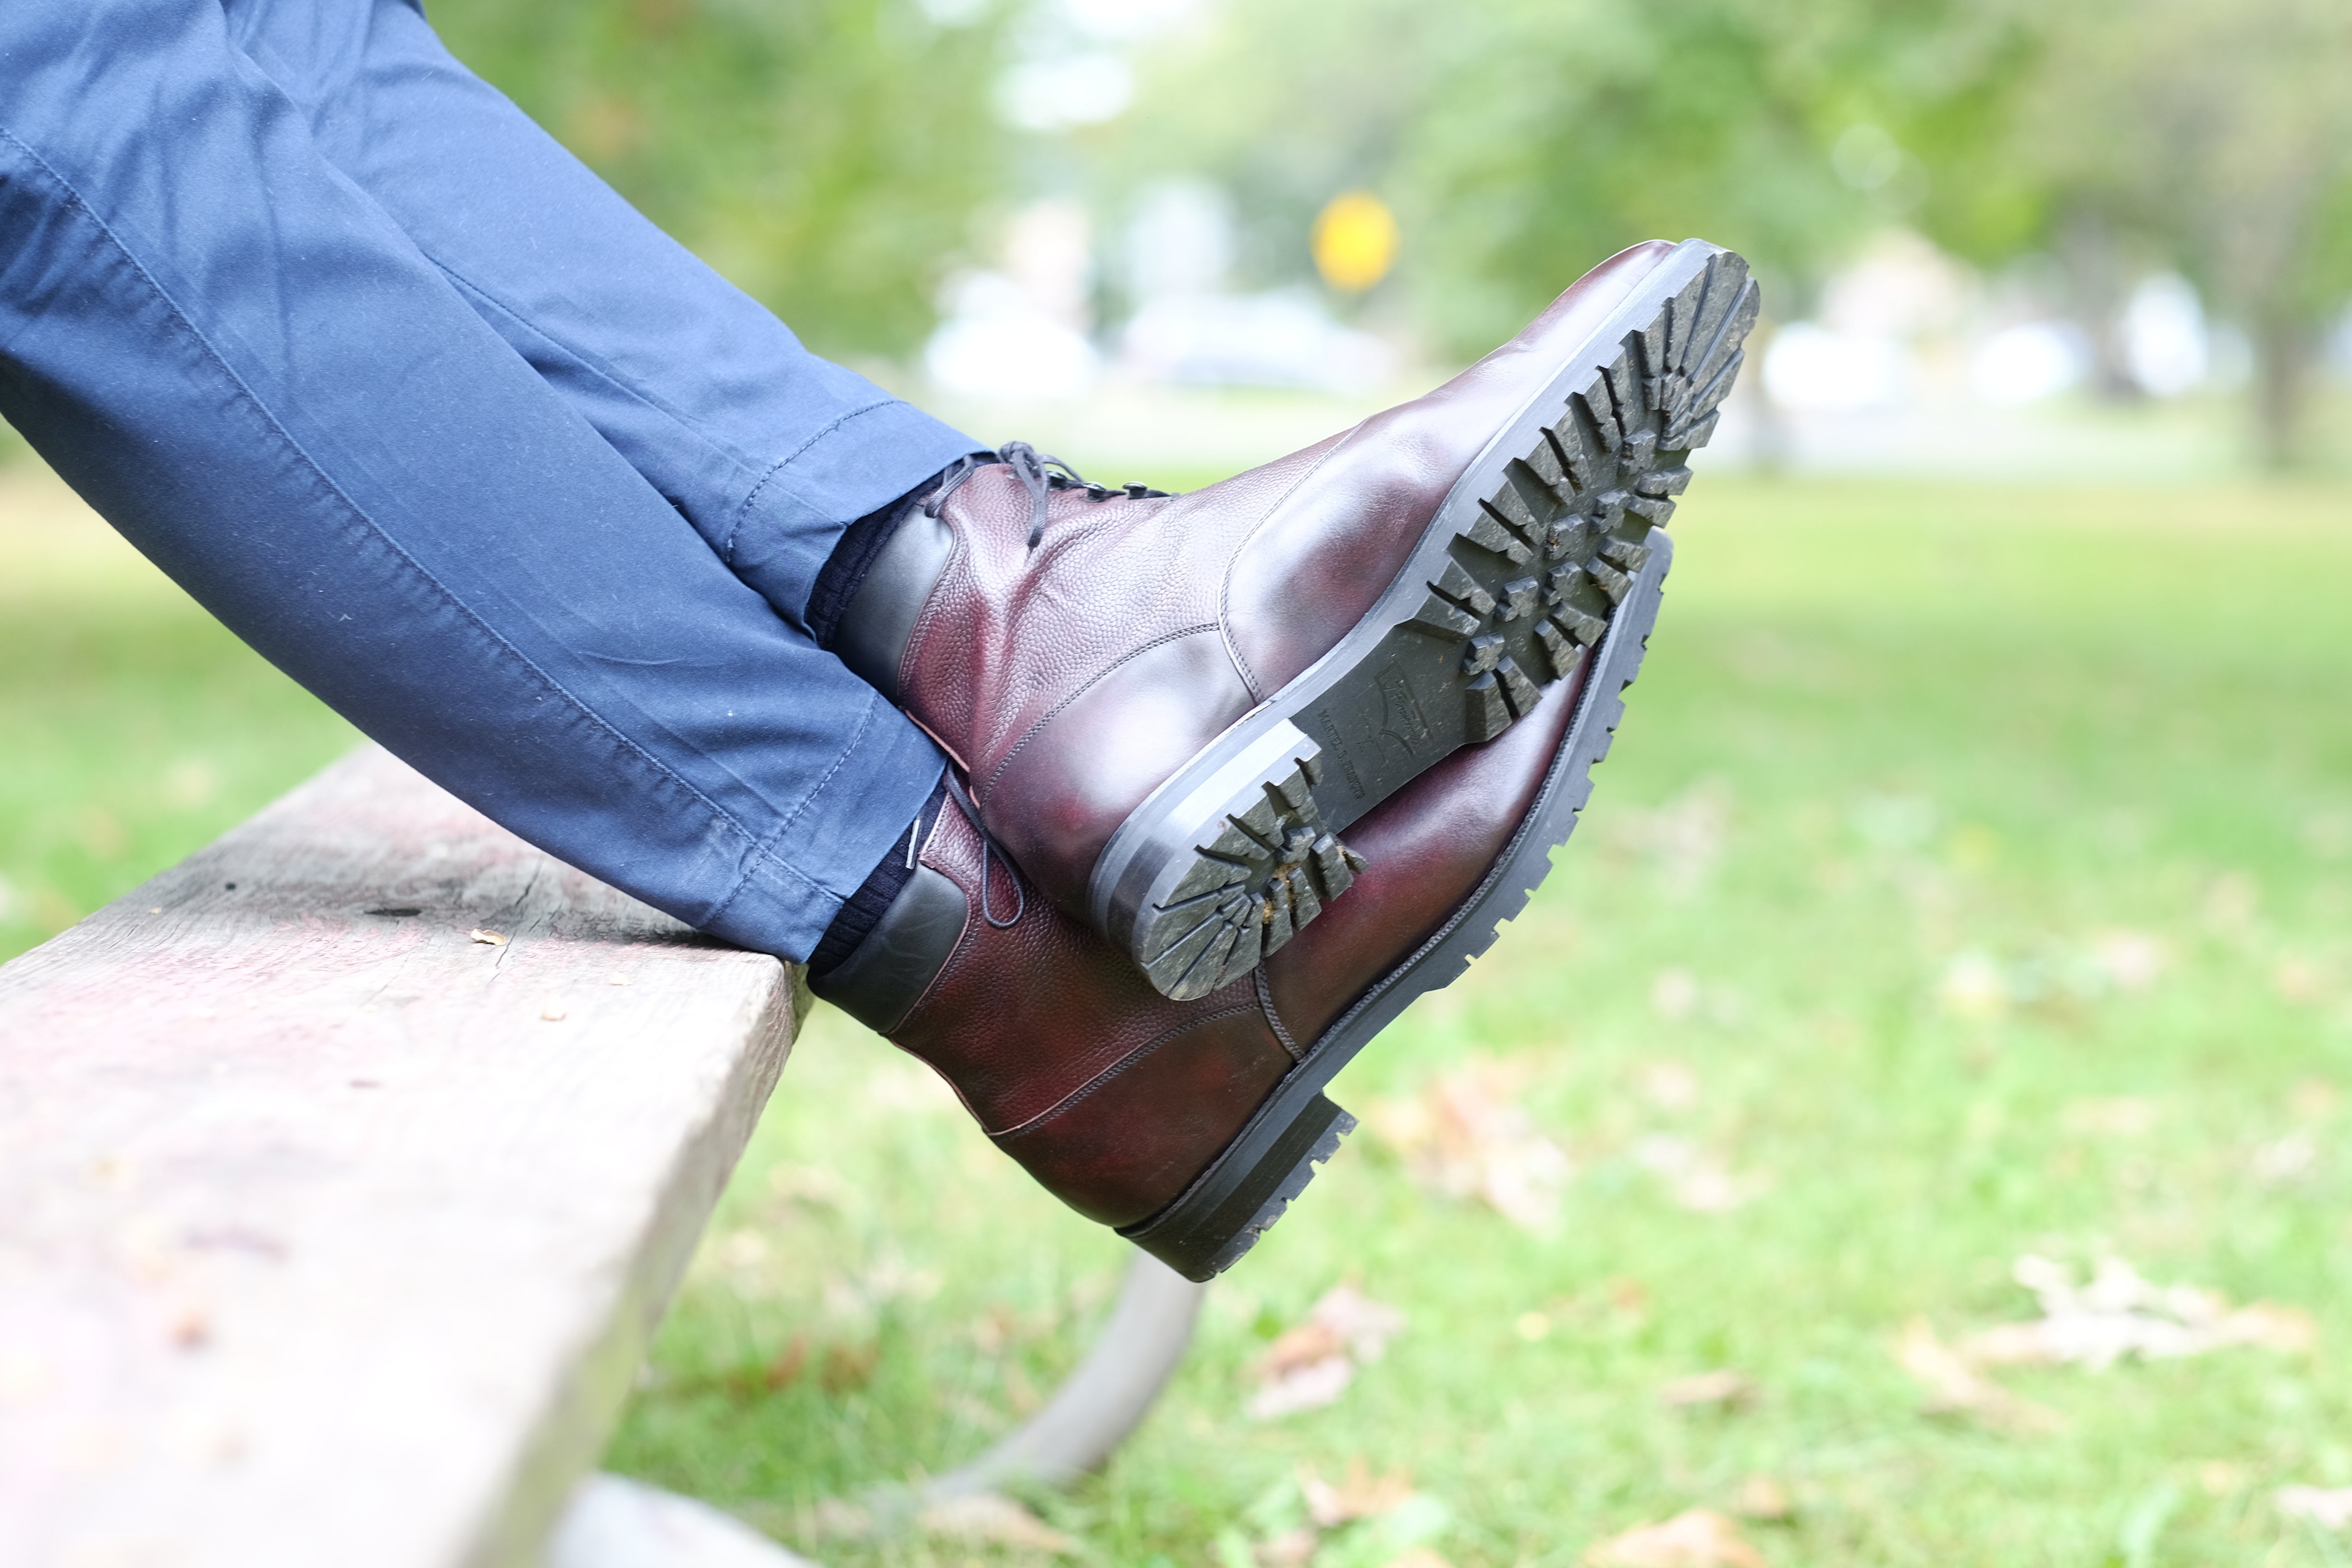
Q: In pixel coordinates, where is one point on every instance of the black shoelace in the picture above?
(1040, 475)
(989, 849)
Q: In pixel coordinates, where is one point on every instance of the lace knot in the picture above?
(1041, 474)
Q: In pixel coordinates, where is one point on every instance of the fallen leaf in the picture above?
(1695, 1179)
(2117, 1314)
(2299, 980)
(1309, 1387)
(988, 1517)
(1762, 1498)
(487, 938)
(1360, 1495)
(2287, 1159)
(835, 1517)
(1683, 837)
(2330, 1509)
(786, 1368)
(2129, 960)
(849, 1366)
(2125, 1116)
(1673, 994)
(1366, 1325)
(1312, 1363)
(1310, 1344)
(1019, 1393)
(1291, 1549)
(1973, 987)
(1418, 1557)
(1670, 1086)
(2219, 1477)
(1955, 1387)
(1697, 1538)
(1463, 1138)
(2312, 1100)
(1724, 1387)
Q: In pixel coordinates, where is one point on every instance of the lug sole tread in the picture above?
(1527, 586)
(1476, 928)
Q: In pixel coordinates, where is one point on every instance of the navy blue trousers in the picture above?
(448, 432)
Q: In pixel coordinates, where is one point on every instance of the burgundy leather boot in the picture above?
(1190, 1125)
(1168, 708)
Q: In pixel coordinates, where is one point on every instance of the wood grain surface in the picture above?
(330, 1234)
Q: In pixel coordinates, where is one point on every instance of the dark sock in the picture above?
(863, 909)
(837, 580)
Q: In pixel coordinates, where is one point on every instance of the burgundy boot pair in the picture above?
(1137, 944)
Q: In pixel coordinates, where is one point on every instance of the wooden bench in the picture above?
(345, 1170)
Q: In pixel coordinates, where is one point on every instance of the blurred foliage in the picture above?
(835, 156)
(1893, 731)
(1523, 140)
(827, 155)
(2212, 138)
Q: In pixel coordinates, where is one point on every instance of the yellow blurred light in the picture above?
(1355, 241)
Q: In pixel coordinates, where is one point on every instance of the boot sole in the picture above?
(1526, 567)
(1278, 1152)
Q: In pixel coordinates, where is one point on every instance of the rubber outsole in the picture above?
(1524, 569)
(1251, 1183)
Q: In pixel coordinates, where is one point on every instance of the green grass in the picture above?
(133, 728)
(1884, 728)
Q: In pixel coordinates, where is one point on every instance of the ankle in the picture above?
(864, 909)
(853, 555)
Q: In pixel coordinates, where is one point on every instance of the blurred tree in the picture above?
(1520, 140)
(827, 155)
(2214, 136)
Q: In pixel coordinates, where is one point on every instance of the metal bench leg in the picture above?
(1106, 1398)
(613, 1522)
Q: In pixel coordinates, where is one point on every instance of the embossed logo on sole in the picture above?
(1400, 719)
(1339, 750)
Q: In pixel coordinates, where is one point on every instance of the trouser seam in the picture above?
(744, 510)
(756, 846)
(864, 722)
(589, 363)
(725, 544)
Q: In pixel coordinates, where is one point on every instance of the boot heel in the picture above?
(1260, 862)
(1242, 1192)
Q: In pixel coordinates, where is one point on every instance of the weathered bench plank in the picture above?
(329, 1234)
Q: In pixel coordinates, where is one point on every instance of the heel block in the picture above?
(1240, 1197)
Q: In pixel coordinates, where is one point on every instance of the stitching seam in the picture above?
(1101, 676)
(864, 722)
(1118, 1067)
(1273, 1019)
(726, 546)
(735, 523)
(586, 360)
